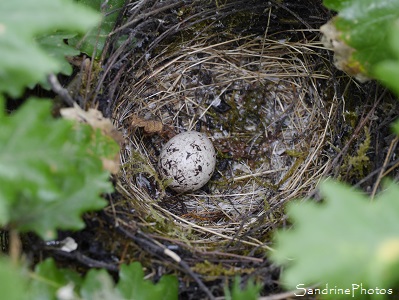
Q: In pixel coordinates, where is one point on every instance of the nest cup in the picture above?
(262, 97)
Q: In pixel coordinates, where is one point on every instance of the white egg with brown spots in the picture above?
(187, 161)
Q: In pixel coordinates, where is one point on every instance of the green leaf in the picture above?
(50, 170)
(395, 127)
(250, 292)
(336, 4)
(346, 240)
(133, 286)
(48, 280)
(388, 71)
(12, 283)
(23, 61)
(361, 29)
(93, 42)
(98, 285)
(55, 47)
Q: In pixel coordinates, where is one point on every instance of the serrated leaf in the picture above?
(48, 280)
(51, 170)
(93, 42)
(249, 292)
(55, 47)
(132, 285)
(362, 26)
(344, 241)
(23, 62)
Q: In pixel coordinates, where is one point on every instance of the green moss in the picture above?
(356, 165)
(138, 165)
(351, 118)
(210, 269)
(300, 158)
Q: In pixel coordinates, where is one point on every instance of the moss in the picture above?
(300, 158)
(210, 269)
(356, 165)
(138, 165)
(351, 118)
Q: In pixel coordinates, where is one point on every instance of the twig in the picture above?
(355, 134)
(59, 90)
(210, 253)
(158, 248)
(392, 146)
(15, 246)
(393, 165)
(292, 13)
(145, 15)
(259, 174)
(87, 261)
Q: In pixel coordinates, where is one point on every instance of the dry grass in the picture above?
(269, 140)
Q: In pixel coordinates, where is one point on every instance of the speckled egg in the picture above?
(188, 160)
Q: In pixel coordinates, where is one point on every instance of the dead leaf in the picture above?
(96, 120)
(149, 126)
(111, 165)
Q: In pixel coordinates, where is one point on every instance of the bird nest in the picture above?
(257, 100)
(261, 100)
(267, 98)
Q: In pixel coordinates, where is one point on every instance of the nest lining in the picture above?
(268, 135)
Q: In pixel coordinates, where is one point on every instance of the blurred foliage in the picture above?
(92, 43)
(388, 71)
(343, 241)
(359, 34)
(23, 25)
(48, 282)
(50, 170)
(249, 292)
